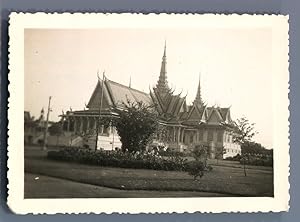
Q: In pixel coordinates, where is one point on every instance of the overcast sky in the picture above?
(235, 67)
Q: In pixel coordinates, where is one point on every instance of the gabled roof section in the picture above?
(223, 112)
(115, 94)
(156, 102)
(95, 100)
(214, 116)
(121, 94)
(169, 105)
(194, 114)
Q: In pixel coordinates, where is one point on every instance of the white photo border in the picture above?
(280, 101)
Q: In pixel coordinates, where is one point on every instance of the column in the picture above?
(81, 124)
(108, 130)
(68, 128)
(178, 134)
(182, 135)
(174, 134)
(75, 125)
(88, 123)
(101, 129)
(95, 123)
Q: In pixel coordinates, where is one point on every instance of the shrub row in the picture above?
(119, 159)
(256, 160)
(173, 153)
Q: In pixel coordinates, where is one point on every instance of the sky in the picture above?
(235, 67)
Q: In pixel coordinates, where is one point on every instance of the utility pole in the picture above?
(46, 128)
(100, 109)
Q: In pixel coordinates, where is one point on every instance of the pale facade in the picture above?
(187, 125)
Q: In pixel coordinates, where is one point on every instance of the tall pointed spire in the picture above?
(162, 83)
(198, 99)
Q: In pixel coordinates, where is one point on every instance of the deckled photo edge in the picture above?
(16, 201)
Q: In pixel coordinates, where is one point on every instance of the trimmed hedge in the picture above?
(251, 159)
(119, 159)
(258, 161)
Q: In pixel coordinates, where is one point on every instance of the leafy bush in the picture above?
(119, 159)
(197, 167)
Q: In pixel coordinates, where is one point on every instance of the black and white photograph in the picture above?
(152, 109)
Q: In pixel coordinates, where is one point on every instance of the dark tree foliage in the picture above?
(56, 129)
(255, 148)
(200, 153)
(196, 168)
(136, 125)
(220, 153)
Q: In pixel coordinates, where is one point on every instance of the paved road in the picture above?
(38, 186)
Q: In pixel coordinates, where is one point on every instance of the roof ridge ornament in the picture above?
(198, 98)
(162, 83)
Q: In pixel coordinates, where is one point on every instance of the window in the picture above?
(106, 130)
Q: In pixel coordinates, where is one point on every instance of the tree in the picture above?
(136, 124)
(244, 134)
(56, 130)
(244, 131)
(196, 168)
(85, 135)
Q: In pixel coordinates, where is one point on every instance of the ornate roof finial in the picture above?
(198, 99)
(162, 84)
(165, 48)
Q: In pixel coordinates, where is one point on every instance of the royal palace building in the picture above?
(187, 125)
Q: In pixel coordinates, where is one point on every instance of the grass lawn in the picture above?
(223, 179)
(39, 186)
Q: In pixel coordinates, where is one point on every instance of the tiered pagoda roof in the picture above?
(171, 107)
